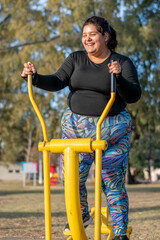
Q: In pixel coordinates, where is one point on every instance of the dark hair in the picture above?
(103, 26)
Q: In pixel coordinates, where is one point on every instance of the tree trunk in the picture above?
(28, 157)
(130, 179)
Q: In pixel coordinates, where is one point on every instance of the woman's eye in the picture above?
(89, 35)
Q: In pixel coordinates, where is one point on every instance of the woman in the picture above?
(87, 73)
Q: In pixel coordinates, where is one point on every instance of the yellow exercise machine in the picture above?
(71, 149)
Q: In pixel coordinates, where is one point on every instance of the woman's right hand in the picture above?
(29, 69)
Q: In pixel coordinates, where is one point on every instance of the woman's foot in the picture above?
(87, 219)
(122, 237)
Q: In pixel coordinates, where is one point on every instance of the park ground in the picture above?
(22, 211)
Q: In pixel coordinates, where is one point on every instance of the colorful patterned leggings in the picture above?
(116, 131)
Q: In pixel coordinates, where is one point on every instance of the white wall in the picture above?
(11, 172)
(155, 174)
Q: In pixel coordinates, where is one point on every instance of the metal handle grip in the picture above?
(113, 81)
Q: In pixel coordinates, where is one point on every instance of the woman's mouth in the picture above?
(90, 44)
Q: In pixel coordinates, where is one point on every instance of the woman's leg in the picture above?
(114, 165)
(84, 168)
(114, 188)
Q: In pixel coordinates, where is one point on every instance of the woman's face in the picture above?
(93, 41)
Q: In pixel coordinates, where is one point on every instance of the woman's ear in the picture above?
(107, 36)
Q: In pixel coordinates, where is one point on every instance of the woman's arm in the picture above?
(128, 85)
(56, 81)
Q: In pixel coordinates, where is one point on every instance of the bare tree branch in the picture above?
(30, 43)
(6, 20)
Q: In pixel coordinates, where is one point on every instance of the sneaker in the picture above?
(122, 237)
(87, 219)
(66, 229)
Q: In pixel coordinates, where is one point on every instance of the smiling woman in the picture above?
(87, 74)
(99, 34)
(95, 43)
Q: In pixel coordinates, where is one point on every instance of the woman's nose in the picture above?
(88, 38)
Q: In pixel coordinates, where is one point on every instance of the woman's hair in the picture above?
(103, 26)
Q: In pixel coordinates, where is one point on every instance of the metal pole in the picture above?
(98, 168)
(47, 198)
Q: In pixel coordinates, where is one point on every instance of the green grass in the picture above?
(22, 211)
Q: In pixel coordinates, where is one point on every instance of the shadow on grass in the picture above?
(143, 189)
(145, 219)
(12, 215)
(145, 209)
(17, 192)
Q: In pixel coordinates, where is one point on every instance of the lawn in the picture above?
(22, 211)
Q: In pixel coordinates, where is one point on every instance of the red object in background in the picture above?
(53, 175)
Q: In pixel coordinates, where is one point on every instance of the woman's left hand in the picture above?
(114, 67)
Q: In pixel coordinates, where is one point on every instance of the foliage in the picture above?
(143, 46)
(25, 35)
(45, 33)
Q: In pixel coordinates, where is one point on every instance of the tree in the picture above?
(25, 33)
(143, 45)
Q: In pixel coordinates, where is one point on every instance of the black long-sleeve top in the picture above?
(89, 83)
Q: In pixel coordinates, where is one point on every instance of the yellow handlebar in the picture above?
(104, 114)
(44, 129)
